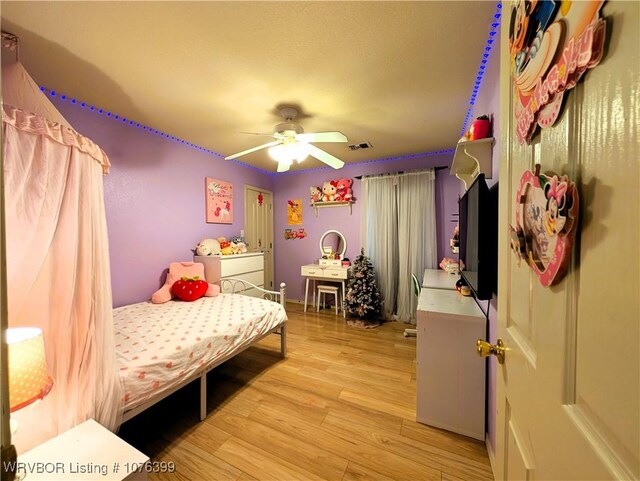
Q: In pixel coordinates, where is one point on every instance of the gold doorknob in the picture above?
(484, 349)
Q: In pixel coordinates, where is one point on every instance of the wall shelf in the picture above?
(472, 158)
(316, 205)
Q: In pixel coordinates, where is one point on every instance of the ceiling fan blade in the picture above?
(322, 137)
(283, 166)
(325, 157)
(248, 151)
(269, 134)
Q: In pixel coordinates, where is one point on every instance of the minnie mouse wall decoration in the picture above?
(546, 215)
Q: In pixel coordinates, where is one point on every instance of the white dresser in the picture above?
(248, 267)
(450, 376)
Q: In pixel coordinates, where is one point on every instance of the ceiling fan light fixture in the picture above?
(289, 152)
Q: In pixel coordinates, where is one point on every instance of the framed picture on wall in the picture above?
(219, 201)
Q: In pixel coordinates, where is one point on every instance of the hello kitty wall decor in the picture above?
(547, 207)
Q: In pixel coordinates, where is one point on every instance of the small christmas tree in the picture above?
(363, 297)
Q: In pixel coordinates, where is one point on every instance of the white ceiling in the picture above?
(396, 74)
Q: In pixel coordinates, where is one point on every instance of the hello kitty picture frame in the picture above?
(218, 201)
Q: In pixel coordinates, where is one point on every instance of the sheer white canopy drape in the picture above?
(58, 276)
(399, 235)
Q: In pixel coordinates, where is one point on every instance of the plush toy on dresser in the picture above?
(208, 247)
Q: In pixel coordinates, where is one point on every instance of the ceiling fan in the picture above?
(291, 143)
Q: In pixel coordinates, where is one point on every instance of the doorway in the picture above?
(258, 215)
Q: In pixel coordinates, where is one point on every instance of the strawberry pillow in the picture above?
(189, 288)
(177, 270)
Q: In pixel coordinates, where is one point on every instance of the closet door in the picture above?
(259, 227)
(568, 396)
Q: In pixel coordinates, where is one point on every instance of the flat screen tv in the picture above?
(478, 210)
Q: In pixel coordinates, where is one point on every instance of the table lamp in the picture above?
(28, 378)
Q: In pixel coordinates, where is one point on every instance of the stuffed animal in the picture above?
(316, 194)
(176, 271)
(343, 187)
(237, 239)
(241, 248)
(329, 189)
(208, 247)
(226, 248)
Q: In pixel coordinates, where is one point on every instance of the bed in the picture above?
(162, 347)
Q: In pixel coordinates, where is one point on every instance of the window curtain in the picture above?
(399, 223)
(58, 276)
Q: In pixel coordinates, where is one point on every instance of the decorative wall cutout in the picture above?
(552, 44)
(295, 234)
(294, 211)
(547, 208)
(219, 201)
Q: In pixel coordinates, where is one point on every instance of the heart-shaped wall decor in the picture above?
(547, 207)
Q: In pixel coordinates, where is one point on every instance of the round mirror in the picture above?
(333, 242)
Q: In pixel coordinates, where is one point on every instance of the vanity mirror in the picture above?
(331, 243)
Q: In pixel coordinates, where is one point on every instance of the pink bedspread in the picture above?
(158, 344)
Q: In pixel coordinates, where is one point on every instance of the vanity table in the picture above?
(332, 270)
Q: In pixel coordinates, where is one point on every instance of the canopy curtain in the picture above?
(399, 227)
(58, 276)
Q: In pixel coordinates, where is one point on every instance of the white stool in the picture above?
(326, 289)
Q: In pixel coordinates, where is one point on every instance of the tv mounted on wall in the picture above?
(478, 210)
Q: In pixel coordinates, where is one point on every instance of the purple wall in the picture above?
(291, 254)
(154, 200)
(488, 102)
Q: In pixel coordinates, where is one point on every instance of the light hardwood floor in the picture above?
(341, 407)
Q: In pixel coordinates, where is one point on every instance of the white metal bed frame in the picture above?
(236, 286)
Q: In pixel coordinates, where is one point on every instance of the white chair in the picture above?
(327, 289)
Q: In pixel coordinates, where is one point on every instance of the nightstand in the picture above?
(86, 452)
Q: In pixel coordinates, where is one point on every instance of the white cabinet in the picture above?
(450, 376)
(248, 267)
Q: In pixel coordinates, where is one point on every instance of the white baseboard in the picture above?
(492, 455)
(295, 301)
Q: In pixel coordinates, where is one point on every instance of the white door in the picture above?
(568, 392)
(259, 227)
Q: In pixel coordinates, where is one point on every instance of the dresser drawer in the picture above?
(255, 278)
(231, 266)
(325, 272)
(335, 273)
(312, 271)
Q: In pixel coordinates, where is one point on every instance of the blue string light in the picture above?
(149, 130)
(482, 67)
